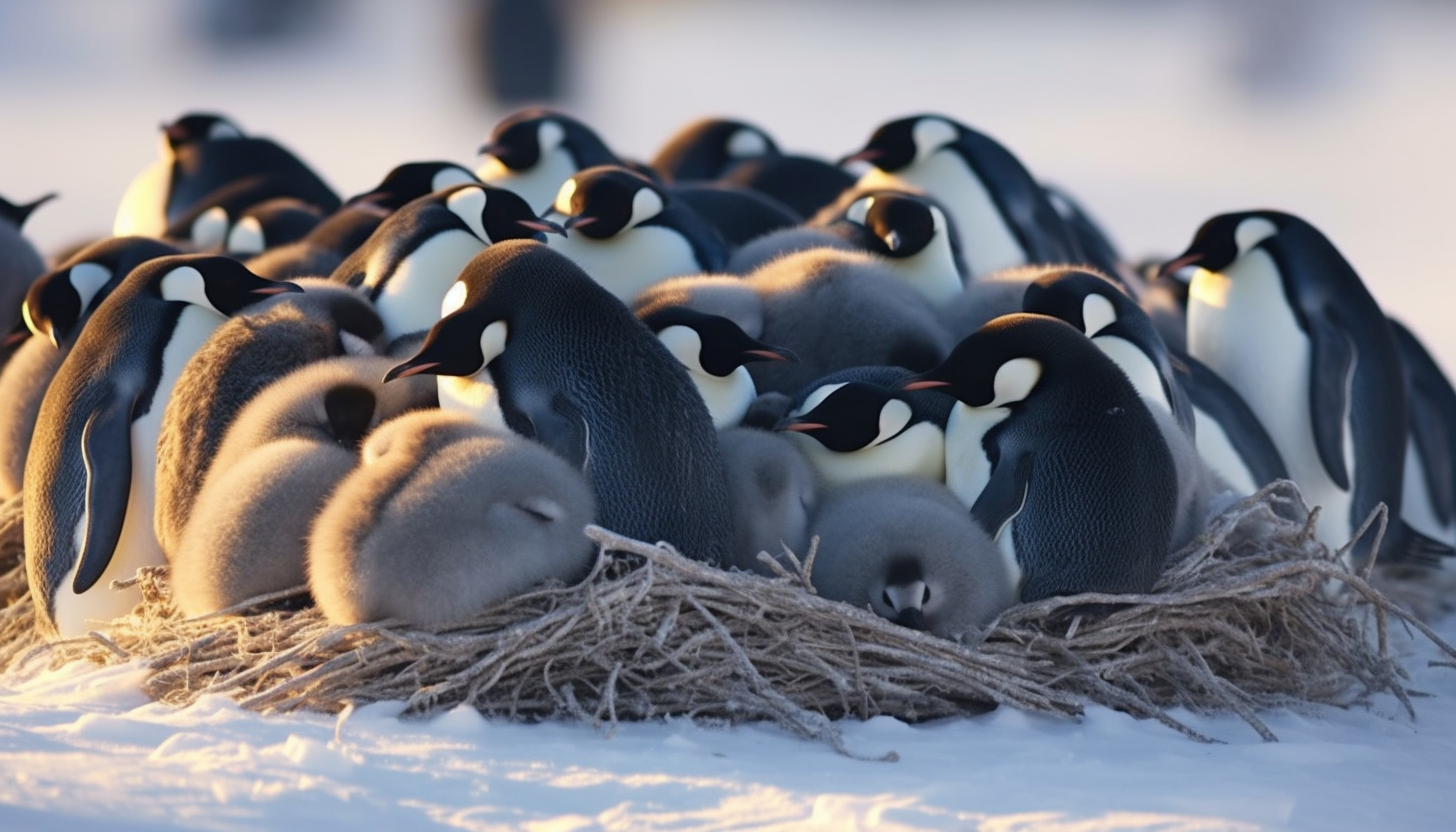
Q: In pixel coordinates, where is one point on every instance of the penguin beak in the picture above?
(277, 289)
(869, 154)
(577, 222)
(409, 368)
(923, 384)
(489, 149)
(544, 226)
(769, 354)
(1168, 268)
(799, 427)
(911, 617)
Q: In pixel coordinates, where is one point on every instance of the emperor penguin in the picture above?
(857, 424)
(20, 263)
(202, 153)
(414, 256)
(1058, 458)
(533, 151)
(911, 231)
(1279, 314)
(716, 353)
(739, 215)
(242, 357)
(88, 486)
(575, 370)
(1004, 217)
(444, 518)
(412, 180)
(906, 548)
(55, 308)
(628, 233)
(286, 451)
(1428, 499)
(772, 490)
(1099, 307)
(246, 231)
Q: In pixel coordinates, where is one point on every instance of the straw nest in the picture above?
(1253, 615)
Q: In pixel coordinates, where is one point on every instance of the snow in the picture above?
(81, 748)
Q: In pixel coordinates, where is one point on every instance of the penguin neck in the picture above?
(919, 451)
(727, 397)
(987, 241)
(932, 271)
(475, 396)
(407, 294)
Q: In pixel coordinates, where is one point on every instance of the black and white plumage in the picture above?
(1428, 495)
(716, 353)
(575, 370)
(444, 518)
(533, 151)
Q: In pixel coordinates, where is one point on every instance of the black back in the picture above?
(700, 151)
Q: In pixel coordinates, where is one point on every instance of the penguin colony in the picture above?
(414, 400)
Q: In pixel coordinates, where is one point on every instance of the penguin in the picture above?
(533, 151)
(1004, 216)
(739, 215)
(20, 263)
(1428, 492)
(413, 257)
(88, 479)
(1095, 304)
(715, 352)
(1278, 313)
(912, 232)
(242, 357)
(772, 491)
(628, 233)
(706, 149)
(906, 549)
(444, 518)
(205, 156)
(286, 451)
(803, 183)
(858, 424)
(1229, 437)
(246, 231)
(575, 370)
(412, 180)
(832, 309)
(1058, 458)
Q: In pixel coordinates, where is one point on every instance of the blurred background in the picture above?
(1155, 113)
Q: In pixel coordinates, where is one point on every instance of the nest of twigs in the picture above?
(1254, 614)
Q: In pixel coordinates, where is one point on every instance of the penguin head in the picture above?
(710, 344)
(901, 224)
(197, 127)
(523, 139)
(413, 180)
(1083, 298)
(59, 300)
(269, 224)
(850, 416)
(220, 284)
(707, 148)
(1222, 240)
(898, 144)
(16, 215)
(904, 593)
(493, 214)
(604, 201)
(1012, 358)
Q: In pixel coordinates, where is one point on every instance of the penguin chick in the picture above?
(281, 458)
(907, 549)
(857, 424)
(715, 352)
(434, 532)
(244, 356)
(628, 232)
(771, 490)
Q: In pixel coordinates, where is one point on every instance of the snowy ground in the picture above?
(83, 750)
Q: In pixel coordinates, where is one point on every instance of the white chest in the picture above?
(409, 300)
(932, 272)
(631, 261)
(537, 185)
(728, 397)
(1138, 368)
(918, 452)
(473, 395)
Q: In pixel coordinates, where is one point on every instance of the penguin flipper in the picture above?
(1004, 496)
(561, 426)
(1330, 382)
(1430, 431)
(106, 454)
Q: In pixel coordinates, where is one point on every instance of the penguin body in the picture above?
(281, 457)
(805, 184)
(56, 307)
(414, 256)
(444, 518)
(243, 357)
(1428, 494)
(88, 485)
(407, 182)
(1003, 215)
(244, 231)
(759, 252)
(738, 215)
(1278, 313)
(716, 353)
(533, 151)
(708, 148)
(772, 491)
(1058, 457)
(575, 370)
(628, 233)
(857, 424)
(202, 153)
(988, 297)
(907, 549)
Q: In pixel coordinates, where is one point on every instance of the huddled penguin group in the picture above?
(918, 360)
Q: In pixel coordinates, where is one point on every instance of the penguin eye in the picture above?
(885, 596)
